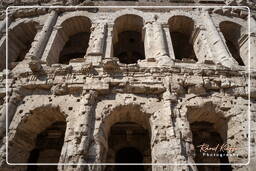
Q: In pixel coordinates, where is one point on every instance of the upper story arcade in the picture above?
(165, 37)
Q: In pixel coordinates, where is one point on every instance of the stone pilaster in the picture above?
(42, 37)
(168, 145)
(168, 41)
(77, 139)
(109, 42)
(163, 135)
(155, 43)
(217, 43)
(13, 102)
(96, 42)
(184, 135)
(95, 50)
(253, 25)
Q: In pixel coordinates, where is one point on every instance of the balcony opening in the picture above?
(70, 41)
(128, 43)
(232, 33)
(181, 30)
(75, 35)
(20, 39)
(75, 47)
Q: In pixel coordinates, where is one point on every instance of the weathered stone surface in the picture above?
(95, 85)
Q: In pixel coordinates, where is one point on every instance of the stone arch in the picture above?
(38, 138)
(181, 30)
(128, 39)
(209, 126)
(123, 12)
(70, 40)
(232, 33)
(130, 117)
(20, 37)
(194, 15)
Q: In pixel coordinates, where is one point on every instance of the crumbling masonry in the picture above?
(127, 84)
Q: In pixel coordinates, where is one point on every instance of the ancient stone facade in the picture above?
(128, 84)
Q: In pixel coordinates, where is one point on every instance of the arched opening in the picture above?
(75, 47)
(133, 145)
(232, 33)
(128, 41)
(48, 147)
(38, 138)
(181, 30)
(70, 41)
(76, 39)
(128, 138)
(209, 131)
(205, 133)
(20, 39)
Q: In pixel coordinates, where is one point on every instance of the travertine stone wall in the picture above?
(163, 95)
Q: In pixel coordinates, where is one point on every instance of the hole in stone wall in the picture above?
(48, 147)
(127, 39)
(181, 29)
(232, 33)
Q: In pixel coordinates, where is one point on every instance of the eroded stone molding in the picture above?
(109, 38)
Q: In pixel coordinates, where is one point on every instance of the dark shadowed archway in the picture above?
(129, 155)
(127, 39)
(232, 33)
(209, 128)
(128, 138)
(38, 138)
(181, 29)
